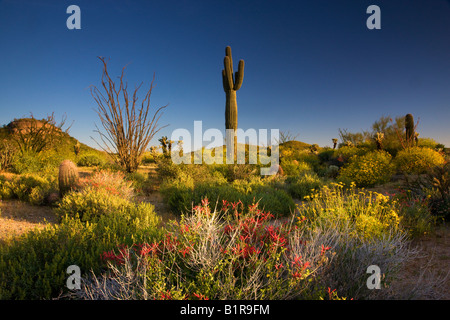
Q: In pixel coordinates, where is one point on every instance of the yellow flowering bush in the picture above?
(368, 170)
(417, 160)
(371, 214)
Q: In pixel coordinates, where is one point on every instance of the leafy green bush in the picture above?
(295, 168)
(345, 153)
(43, 163)
(181, 196)
(368, 170)
(34, 265)
(90, 160)
(28, 187)
(89, 204)
(417, 160)
(303, 185)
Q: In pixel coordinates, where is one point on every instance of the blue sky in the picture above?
(311, 67)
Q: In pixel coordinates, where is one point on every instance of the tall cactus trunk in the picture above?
(231, 115)
(409, 129)
(230, 86)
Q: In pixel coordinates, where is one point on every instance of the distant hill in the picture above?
(294, 144)
(64, 144)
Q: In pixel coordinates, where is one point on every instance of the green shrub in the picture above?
(303, 185)
(417, 160)
(28, 187)
(181, 196)
(345, 153)
(43, 163)
(89, 204)
(368, 170)
(34, 265)
(295, 168)
(90, 160)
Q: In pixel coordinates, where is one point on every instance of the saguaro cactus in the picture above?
(68, 176)
(409, 128)
(230, 86)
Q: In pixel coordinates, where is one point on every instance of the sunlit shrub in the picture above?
(34, 266)
(303, 184)
(417, 160)
(90, 160)
(28, 187)
(112, 182)
(180, 195)
(295, 168)
(368, 170)
(363, 228)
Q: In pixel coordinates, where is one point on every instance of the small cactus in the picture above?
(77, 148)
(68, 176)
(335, 141)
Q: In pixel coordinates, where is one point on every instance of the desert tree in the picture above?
(128, 126)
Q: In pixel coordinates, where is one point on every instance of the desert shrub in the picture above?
(112, 182)
(372, 213)
(181, 196)
(427, 143)
(345, 153)
(89, 204)
(34, 265)
(368, 170)
(311, 159)
(303, 185)
(417, 160)
(362, 228)
(90, 160)
(415, 213)
(148, 158)
(237, 255)
(28, 187)
(295, 168)
(331, 171)
(43, 163)
(8, 152)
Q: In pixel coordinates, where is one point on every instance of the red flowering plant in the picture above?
(112, 182)
(229, 254)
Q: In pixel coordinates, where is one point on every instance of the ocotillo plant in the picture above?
(409, 128)
(230, 86)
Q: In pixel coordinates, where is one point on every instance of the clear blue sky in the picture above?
(311, 67)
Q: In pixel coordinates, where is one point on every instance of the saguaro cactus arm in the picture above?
(239, 76)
